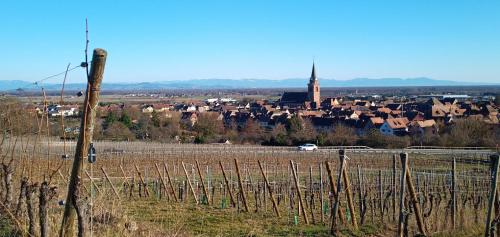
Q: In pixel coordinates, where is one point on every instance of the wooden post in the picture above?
(205, 192)
(402, 187)
(454, 193)
(170, 181)
(162, 180)
(92, 182)
(497, 215)
(333, 229)
(493, 191)
(84, 139)
(299, 193)
(414, 200)
(146, 190)
(275, 206)
(189, 183)
(381, 195)
(311, 194)
(240, 184)
(347, 186)
(227, 184)
(112, 186)
(125, 178)
(321, 199)
(394, 159)
(361, 196)
(334, 191)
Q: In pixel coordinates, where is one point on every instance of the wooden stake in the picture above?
(189, 182)
(205, 192)
(125, 178)
(361, 196)
(275, 206)
(321, 199)
(227, 184)
(333, 228)
(85, 137)
(493, 191)
(112, 186)
(394, 158)
(402, 186)
(299, 193)
(381, 195)
(146, 190)
(240, 184)
(347, 186)
(170, 181)
(334, 192)
(454, 193)
(92, 182)
(311, 193)
(162, 180)
(413, 195)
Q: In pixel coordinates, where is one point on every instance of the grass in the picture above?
(6, 228)
(182, 219)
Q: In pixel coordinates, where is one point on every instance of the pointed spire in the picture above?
(313, 74)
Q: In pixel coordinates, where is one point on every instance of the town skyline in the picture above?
(158, 41)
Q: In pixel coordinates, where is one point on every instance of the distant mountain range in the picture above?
(6, 85)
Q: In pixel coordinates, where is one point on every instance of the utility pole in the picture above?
(85, 138)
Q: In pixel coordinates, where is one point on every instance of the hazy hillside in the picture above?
(6, 85)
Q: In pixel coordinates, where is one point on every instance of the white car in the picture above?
(308, 147)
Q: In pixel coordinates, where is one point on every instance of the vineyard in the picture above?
(59, 188)
(154, 189)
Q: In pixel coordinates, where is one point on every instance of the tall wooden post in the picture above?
(189, 183)
(240, 184)
(275, 206)
(381, 195)
(413, 196)
(402, 187)
(84, 139)
(394, 158)
(165, 168)
(333, 229)
(321, 198)
(454, 193)
(299, 193)
(311, 193)
(493, 192)
(143, 181)
(205, 191)
(162, 180)
(111, 183)
(334, 191)
(227, 184)
(347, 186)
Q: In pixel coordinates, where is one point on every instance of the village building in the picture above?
(395, 126)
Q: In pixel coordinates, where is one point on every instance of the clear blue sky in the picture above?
(274, 39)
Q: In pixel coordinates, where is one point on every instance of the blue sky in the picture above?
(269, 39)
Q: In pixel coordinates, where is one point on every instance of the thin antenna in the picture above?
(88, 91)
(86, 47)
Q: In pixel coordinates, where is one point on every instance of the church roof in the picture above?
(294, 97)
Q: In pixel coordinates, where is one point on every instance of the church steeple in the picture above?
(313, 89)
(313, 74)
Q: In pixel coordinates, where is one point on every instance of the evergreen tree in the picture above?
(126, 120)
